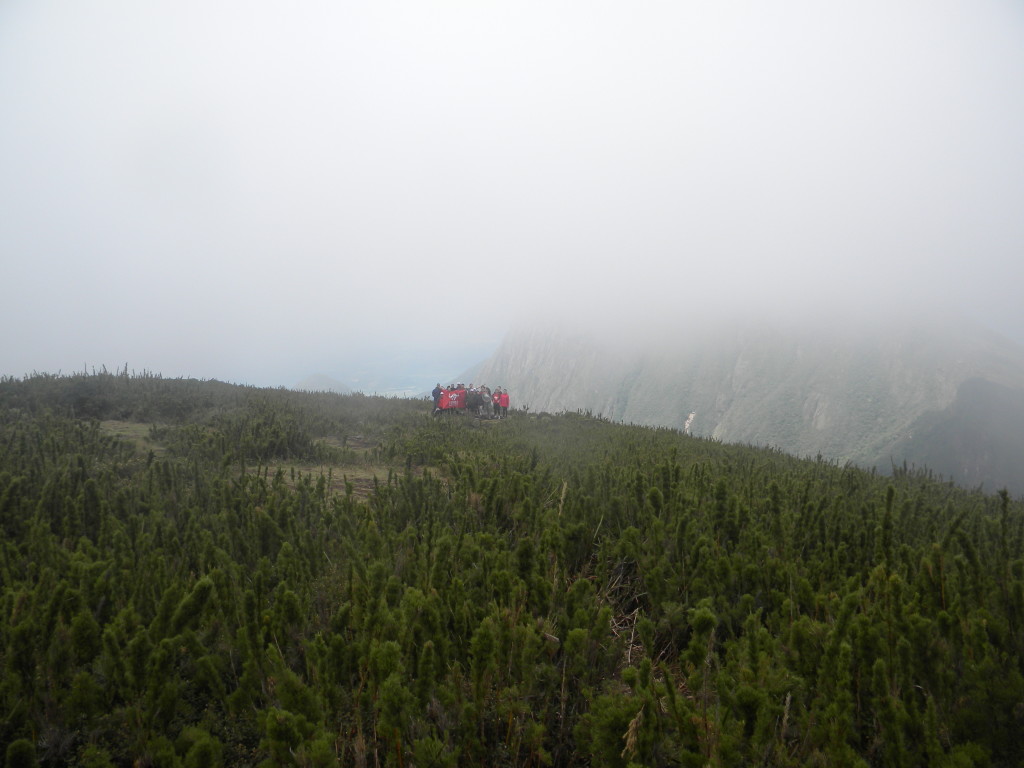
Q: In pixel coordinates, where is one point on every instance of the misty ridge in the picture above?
(878, 389)
(780, 225)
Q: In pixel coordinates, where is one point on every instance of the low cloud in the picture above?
(256, 193)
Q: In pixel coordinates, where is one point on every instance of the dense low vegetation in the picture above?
(200, 574)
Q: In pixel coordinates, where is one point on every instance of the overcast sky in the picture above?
(257, 191)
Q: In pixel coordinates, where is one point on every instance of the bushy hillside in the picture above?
(196, 574)
(870, 393)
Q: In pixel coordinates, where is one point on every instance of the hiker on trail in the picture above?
(436, 394)
(487, 406)
(496, 402)
(504, 401)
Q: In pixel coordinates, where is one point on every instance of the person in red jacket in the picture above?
(504, 403)
(496, 401)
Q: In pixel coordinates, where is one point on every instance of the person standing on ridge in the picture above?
(504, 403)
(474, 402)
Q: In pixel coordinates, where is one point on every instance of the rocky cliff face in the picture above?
(871, 395)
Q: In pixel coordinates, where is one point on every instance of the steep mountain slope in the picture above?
(979, 437)
(944, 394)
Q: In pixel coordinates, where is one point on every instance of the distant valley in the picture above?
(319, 382)
(393, 371)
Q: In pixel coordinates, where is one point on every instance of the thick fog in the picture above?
(257, 191)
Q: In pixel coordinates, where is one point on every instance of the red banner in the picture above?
(452, 398)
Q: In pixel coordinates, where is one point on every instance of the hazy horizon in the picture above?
(258, 193)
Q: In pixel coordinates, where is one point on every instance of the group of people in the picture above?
(479, 401)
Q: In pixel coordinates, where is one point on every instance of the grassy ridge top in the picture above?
(195, 573)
